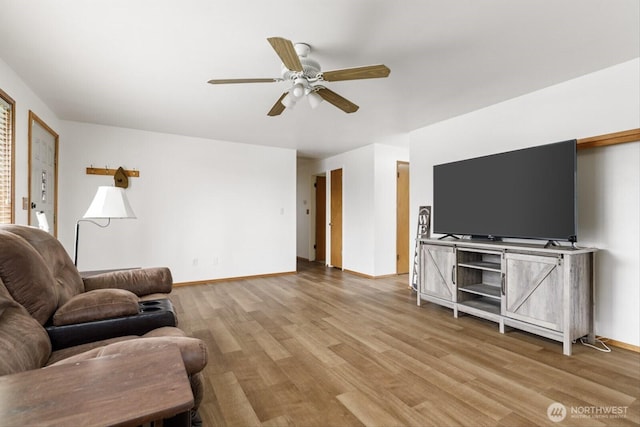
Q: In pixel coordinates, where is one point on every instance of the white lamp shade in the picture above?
(110, 202)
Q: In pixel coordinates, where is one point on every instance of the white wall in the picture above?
(357, 207)
(305, 209)
(207, 209)
(368, 207)
(385, 206)
(25, 100)
(608, 178)
(609, 219)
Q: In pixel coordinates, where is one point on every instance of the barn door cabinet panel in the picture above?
(544, 291)
(437, 271)
(534, 289)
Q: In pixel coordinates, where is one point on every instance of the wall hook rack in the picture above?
(106, 171)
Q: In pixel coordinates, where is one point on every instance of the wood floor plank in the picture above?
(270, 345)
(234, 405)
(327, 348)
(314, 346)
(281, 421)
(366, 410)
(418, 357)
(365, 334)
(305, 371)
(454, 413)
(223, 337)
(268, 369)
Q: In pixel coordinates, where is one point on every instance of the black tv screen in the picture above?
(528, 193)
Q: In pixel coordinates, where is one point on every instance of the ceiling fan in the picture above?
(307, 78)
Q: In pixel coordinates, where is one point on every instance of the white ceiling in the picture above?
(145, 64)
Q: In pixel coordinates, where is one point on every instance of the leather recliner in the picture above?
(74, 309)
(54, 281)
(39, 285)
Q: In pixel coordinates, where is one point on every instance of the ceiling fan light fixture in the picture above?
(314, 100)
(298, 88)
(289, 101)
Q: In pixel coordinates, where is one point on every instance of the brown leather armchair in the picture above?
(40, 286)
(40, 275)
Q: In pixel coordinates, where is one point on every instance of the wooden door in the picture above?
(336, 218)
(533, 289)
(402, 218)
(321, 218)
(437, 264)
(43, 175)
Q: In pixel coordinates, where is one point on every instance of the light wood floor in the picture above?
(327, 348)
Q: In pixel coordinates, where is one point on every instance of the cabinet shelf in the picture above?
(482, 289)
(482, 265)
(485, 304)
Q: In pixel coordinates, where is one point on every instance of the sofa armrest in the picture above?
(143, 281)
(192, 350)
(151, 316)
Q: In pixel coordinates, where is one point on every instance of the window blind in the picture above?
(6, 158)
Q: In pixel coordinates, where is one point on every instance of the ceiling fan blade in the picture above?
(287, 53)
(229, 81)
(278, 107)
(337, 100)
(367, 72)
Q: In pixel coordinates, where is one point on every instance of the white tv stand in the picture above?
(544, 291)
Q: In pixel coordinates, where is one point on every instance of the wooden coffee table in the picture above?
(120, 389)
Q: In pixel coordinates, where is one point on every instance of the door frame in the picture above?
(33, 118)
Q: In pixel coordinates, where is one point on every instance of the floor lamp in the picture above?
(108, 203)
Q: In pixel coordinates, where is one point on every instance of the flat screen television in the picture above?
(528, 194)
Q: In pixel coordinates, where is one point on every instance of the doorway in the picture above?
(402, 218)
(43, 175)
(336, 218)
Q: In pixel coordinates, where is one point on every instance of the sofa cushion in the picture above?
(24, 344)
(66, 279)
(97, 305)
(27, 277)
